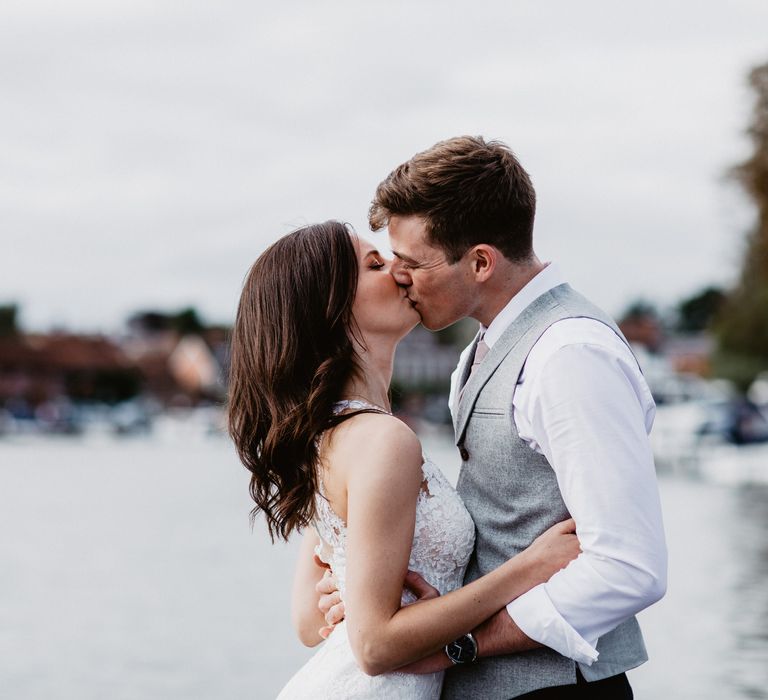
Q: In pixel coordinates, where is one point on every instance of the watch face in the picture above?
(462, 650)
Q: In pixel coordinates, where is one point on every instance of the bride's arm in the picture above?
(381, 506)
(307, 619)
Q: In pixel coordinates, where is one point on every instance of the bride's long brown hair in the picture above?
(291, 356)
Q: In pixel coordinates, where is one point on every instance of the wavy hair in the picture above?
(291, 355)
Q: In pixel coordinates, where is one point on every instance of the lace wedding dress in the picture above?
(443, 540)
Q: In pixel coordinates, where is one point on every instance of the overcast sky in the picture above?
(149, 151)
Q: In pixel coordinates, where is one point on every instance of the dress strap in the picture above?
(344, 404)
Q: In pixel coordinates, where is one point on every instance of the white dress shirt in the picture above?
(583, 403)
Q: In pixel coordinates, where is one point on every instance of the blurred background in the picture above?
(152, 150)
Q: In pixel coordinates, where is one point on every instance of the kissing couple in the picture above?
(524, 581)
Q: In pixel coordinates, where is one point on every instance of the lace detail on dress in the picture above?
(443, 540)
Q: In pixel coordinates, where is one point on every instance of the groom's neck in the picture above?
(497, 292)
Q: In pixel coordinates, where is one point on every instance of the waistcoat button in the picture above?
(464, 453)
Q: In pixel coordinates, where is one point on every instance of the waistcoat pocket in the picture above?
(488, 412)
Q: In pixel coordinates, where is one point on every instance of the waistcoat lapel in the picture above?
(463, 375)
(514, 333)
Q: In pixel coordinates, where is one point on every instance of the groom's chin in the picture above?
(432, 323)
(432, 326)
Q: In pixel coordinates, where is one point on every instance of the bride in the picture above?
(312, 353)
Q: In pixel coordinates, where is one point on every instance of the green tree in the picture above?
(187, 321)
(640, 308)
(696, 313)
(742, 325)
(9, 320)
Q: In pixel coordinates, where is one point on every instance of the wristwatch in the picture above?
(462, 650)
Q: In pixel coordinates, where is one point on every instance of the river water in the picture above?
(128, 570)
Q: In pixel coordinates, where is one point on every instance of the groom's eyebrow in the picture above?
(404, 258)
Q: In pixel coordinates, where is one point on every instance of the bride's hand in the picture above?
(554, 549)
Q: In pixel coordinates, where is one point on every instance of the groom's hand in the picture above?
(331, 605)
(416, 584)
(424, 591)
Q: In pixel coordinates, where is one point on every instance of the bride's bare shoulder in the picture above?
(376, 438)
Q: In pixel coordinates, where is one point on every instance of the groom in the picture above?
(551, 416)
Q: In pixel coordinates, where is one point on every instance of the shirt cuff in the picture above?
(535, 614)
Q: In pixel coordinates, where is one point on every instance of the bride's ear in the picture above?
(483, 259)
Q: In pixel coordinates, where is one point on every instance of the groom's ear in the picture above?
(483, 259)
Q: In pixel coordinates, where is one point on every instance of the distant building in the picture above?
(422, 362)
(691, 354)
(35, 369)
(687, 353)
(194, 366)
(152, 360)
(177, 367)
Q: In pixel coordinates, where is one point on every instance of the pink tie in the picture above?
(481, 350)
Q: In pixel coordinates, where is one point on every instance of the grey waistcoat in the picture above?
(512, 494)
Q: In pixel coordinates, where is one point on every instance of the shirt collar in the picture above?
(549, 278)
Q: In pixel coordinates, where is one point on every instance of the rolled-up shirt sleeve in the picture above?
(588, 410)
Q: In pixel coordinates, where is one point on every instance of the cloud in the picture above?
(151, 151)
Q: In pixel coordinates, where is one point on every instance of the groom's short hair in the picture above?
(469, 191)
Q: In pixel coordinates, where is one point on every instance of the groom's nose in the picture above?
(402, 277)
